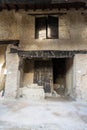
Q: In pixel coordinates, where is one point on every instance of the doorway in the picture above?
(59, 75)
(52, 74)
(43, 74)
(63, 76)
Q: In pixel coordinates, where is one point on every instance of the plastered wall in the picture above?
(28, 75)
(69, 77)
(12, 75)
(81, 76)
(2, 67)
(72, 36)
(20, 25)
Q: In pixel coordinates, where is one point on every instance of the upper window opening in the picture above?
(46, 27)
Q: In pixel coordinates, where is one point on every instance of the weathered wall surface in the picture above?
(2, 67)
(28, 73)
(20, 25)
(69, 77)
(12, 76)
(72, 36)
(81, 76)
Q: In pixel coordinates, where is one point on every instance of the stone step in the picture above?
(32, 92)
(33, 86)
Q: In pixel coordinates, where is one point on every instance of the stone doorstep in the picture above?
(33, 86)
(35, 91)
(32, 92)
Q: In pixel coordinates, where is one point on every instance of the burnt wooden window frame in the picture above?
(48, 25)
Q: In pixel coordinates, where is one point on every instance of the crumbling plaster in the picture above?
(2, 67)
(72, 36)
(20, 25)
(70, 78)
(29, 73)
(81, 76)
(13, 75)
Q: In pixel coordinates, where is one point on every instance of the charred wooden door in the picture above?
(43, 74)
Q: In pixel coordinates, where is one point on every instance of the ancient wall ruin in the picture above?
(2, 67)
(13, 75)
(20, 25)
(72, 36)
(81, 76)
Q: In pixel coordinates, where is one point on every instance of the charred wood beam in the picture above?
(0, 8)
(26, 7)
(20, 64)
(14, 42)
(16, 7)
(40, 1)
(61, 4)
(49, 54)
(43, 7)
(69, 5)
(8, 7)
(13, 50)
(34, 5)
(50, 13)
(84, 13)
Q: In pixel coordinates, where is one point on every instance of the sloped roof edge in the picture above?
(39, 1)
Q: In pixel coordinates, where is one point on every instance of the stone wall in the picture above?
(2, 67)
(72, 36)
(81, 76)
(20, 25)
(12, 77)
(69, 77)
(28, 73)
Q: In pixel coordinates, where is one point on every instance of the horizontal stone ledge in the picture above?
(47, 53)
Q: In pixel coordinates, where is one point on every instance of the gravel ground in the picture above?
(43, 115)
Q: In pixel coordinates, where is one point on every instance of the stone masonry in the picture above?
(12, 63)
(72, 36)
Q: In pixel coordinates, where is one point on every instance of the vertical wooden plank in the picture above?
(43, 74)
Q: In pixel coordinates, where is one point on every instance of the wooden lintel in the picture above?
(13, 50)
(8, 7)
(48, 13)
(50, 53)
(15, 42)
(42, 4)
(16, 7)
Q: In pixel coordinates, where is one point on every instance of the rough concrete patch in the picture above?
(43, 116)
(56, 114)
(16, 106)
(48, 109)
(84, 118)
(19, 129)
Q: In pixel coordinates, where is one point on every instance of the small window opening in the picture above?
(46, 27)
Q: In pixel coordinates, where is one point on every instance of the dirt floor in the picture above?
(43, 115)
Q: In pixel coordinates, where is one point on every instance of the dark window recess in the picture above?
(46, 27)
(40, 27)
